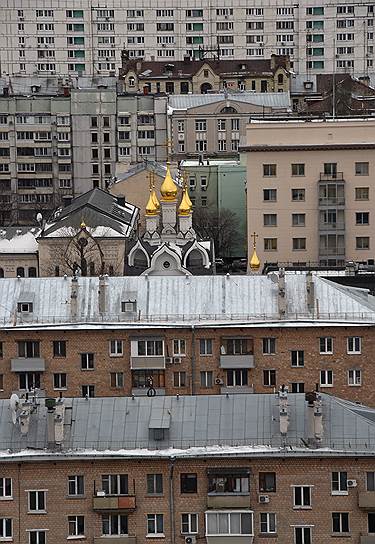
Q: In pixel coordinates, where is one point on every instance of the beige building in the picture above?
(309, 190)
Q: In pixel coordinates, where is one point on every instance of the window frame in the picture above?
(157, 482)
(4, 487)
(327, 340)
(188, 483)
(77, 522)
(341, 482)
(303, 502)
(155, 519)
(190, 525)
(40, 497)
(76, 480)
(338, 517)
(354, 340)
(116, 348)
(207, 351)
(267, 522)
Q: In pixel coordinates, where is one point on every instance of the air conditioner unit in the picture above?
(177, 360)
(190, 539)
(219, 381)
(168, 360)
(264, 499)
(352, 483)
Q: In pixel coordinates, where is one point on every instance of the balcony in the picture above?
(228, 501)
(27, 364)
(335, 176)
(366, 500)
(123, 539)
(328, 251)
(111, 503)
(154, 363)
(367, 539)
(331, 227)
(237, 361)
(332, 201)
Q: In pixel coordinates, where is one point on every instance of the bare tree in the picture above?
(220, 226)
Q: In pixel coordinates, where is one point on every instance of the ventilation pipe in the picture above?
(310, 289)
(102, 294)
(281, 293)
(283, 405)
(314, 419)
(74, 297)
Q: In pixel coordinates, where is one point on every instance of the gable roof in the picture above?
(269, 100)
(96, 208)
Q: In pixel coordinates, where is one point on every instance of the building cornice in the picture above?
(303, 147)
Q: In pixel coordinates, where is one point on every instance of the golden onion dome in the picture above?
(83, 224)
(151, 208)
(184, 207)
(155, 199)
(254, 261)
(168, 188)
(188, 198)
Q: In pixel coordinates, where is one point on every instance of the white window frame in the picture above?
(327, 373)
(179, 347)
(148, 343)
(116, 348)
(179, 379)
(269, 345)
(74, 480)
(207, 343)
(110, 517)
(206, 373)
(341, 532)
(4, 525)
(4, 483)
(339, 491)
(302, 506)
(190, 523)
(304, 527)
(119, 379)
(37, 500)
(153, 518)
(354, 345)
(354, 377)
(229, 513)
(86, 364)
(270, 522)
(73, 522)
(60, 387)
(328, 349)
(38, 533)
(300, 361)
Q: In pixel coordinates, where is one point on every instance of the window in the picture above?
(298, 387)
(267, 482)
(298, 169)
(28, 348)
(299, 244)
(269, 195)
(115, 348)
(361, 168)
(88, 391)
(140, 378)
(370, 482)
(362, 242)
(117, 379)
(37, 501)
(150, 348)
(179, 347)
(270, 219)
(59, 380)
(326, 378)
(5, 528)
(189, 524)
(362, 193)
(270, 244)
(5, 488)
(229, 523)
(302, 496)
(298, 195)
(1, 344)
(269, 346)
(87, 361)
(371, 522)
(24, 307)
(326, 344)
(200, 125)
(340, 522)
(29, 380)
(189, 483)
(233, 482)
(302, 535)
(76, 485)
(298, 219)
(179, 379)
(269, 170)
(237, 378)
(269, 378)
(354, 344)
(37, 537)
(115, 484)
(238, 346)
(354, 377)
(154, 484)
(297, 358)
(267, 522)
(155, 524)
(59, 348)
(76, 525)
(205, 346)
(206, 379)
(362, 218)
(114, 524)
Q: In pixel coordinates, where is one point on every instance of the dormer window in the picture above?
(24, 307)
(129, 306)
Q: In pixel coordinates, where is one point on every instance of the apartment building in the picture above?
(57, 142)
(201, 335)
(238, 469)
(309, 191)
(66, 37)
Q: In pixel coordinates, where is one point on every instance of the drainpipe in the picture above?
(171, 501)
(193, 360)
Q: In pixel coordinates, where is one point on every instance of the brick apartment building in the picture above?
(230, 469)
(193, 335)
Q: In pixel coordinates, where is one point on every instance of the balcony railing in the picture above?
(114, 503)
(332, 226)
(327, 251)
(332, 201)
(337, 176)
(228, 501)
(237, 361)
(123, 539)
(366, 500)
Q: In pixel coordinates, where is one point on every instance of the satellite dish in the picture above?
(39, 217)
(14, 403)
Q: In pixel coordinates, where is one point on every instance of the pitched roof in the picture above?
(268, 100)
(245, 425)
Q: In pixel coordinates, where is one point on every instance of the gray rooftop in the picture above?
(175, 300)
(270, 100)
(210, 425)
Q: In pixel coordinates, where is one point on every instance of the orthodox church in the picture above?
(169, 245)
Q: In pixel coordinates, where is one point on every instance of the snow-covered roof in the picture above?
(16, 240)
(213, 425)
(178, 300)
(268, 100)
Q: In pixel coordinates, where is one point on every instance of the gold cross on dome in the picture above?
(254, 236)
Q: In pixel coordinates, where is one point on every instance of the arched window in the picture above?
(280, 79)
(92, 268)
(21, 272)
(140, 259)
(32, 272)
(194, 259)
(205, 87)
(228, 109)
(2, 273)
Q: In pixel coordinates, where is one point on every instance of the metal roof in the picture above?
(177, 300)
(271, 100)
(197, 425)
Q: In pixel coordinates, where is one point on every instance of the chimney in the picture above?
(59, 421)
(281, 294)
(318, 419)
(310, 288)
(74, 297)
(187, 59)
(314, 419)
(102, 294)
(283, 405)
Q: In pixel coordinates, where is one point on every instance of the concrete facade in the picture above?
(309, 193)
